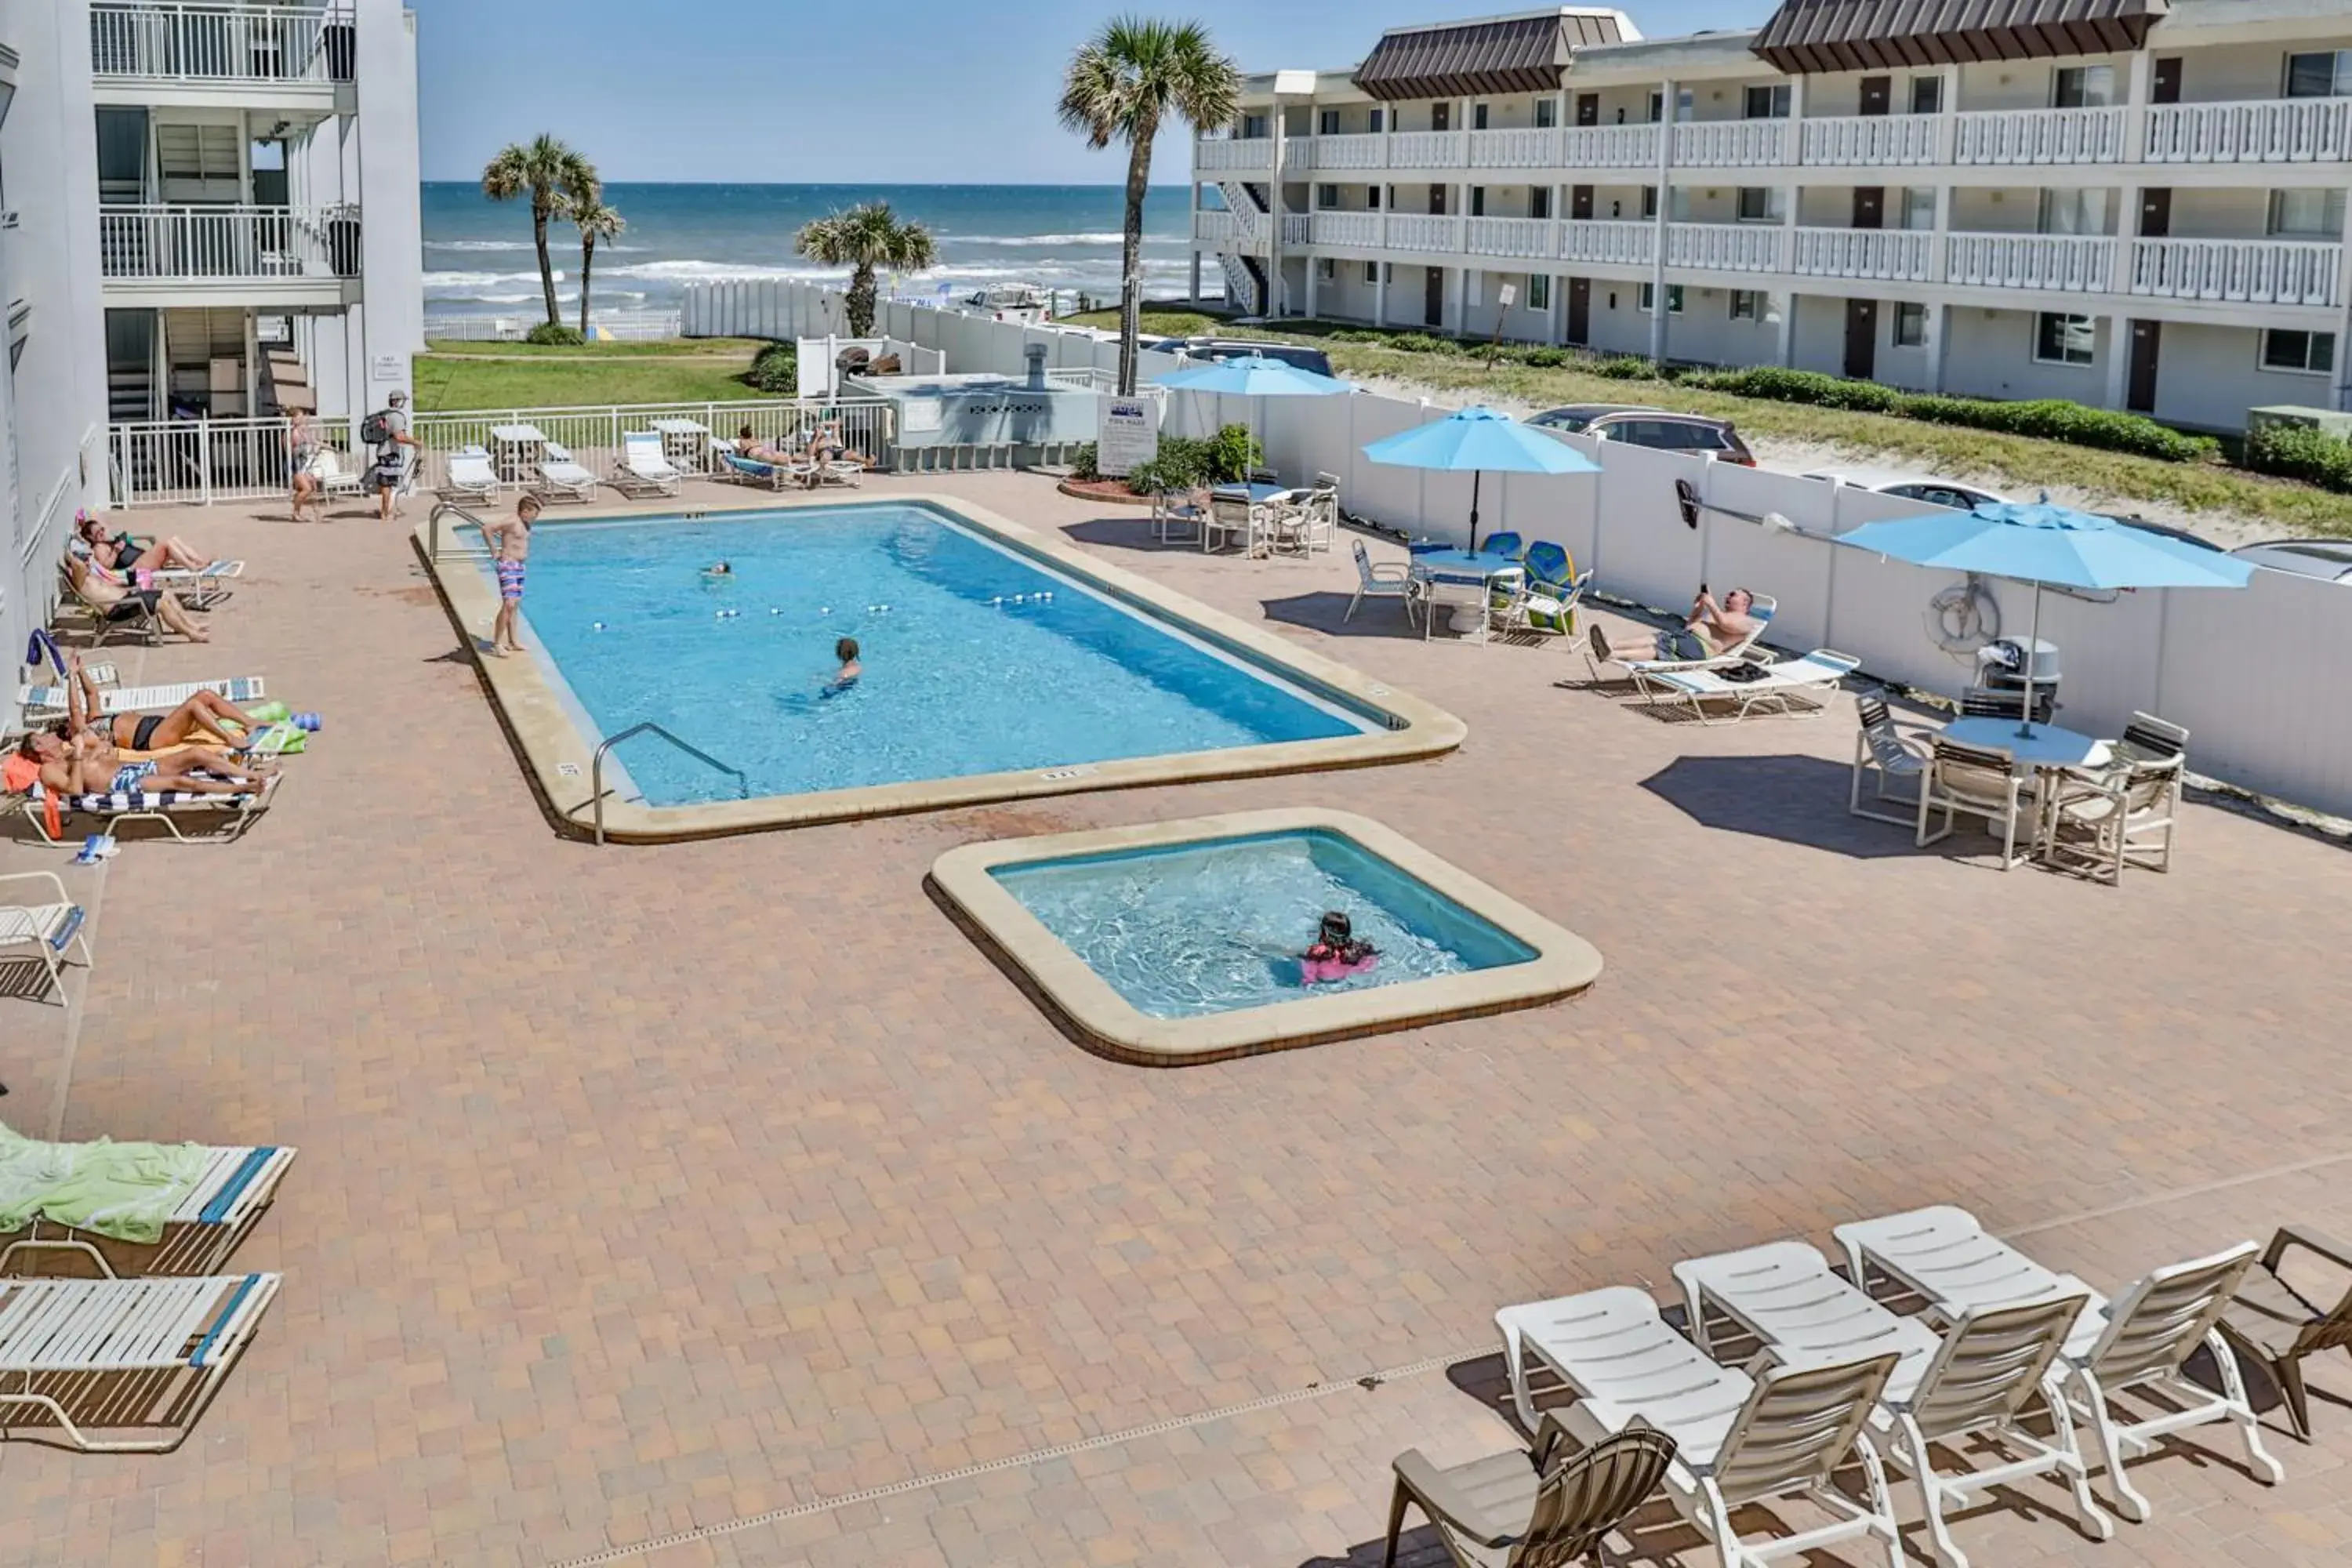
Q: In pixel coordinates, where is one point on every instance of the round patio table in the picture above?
(2049, 746)
(1458, 565)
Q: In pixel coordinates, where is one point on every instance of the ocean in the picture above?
(478, 262)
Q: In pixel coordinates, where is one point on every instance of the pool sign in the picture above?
(1127, 436)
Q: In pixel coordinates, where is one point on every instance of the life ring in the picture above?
(1963, 619)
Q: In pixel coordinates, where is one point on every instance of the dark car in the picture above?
(1659, 428)
(1222, 349)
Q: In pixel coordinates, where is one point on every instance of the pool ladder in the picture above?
(596, 767)
(433, 525)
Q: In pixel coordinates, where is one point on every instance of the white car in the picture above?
(1916, 487)
(2329, 560)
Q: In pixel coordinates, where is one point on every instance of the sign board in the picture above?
(1128, 436)
(1506, 295)
(387, 367)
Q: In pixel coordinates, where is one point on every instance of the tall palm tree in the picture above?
(543, 168)
(584, 207)
(1121, 84)
(866, 236)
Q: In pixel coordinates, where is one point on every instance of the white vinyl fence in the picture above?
(622, 326)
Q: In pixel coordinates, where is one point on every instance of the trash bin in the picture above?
(344, 245)
(341, 42)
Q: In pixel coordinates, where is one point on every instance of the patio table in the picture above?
(2049, 746)
(516, 450)
(685, 442)
(1480, 566)
(1258, 497)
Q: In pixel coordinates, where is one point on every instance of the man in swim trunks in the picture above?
(117, 603)
(203, 719)
(66, 768)
(509, 542)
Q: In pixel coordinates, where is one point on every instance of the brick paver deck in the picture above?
(654, 1201)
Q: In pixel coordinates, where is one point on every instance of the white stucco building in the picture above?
(2135, 204)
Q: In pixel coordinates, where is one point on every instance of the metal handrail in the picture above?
(433, 524)
(596, 765)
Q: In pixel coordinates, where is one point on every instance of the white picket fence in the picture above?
(622, 326)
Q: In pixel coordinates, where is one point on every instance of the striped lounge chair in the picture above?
(213, 1219)
(124, 1367)
(168, 807)
(51, 699)
(743, 471)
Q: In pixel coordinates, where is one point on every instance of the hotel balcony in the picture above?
(298, 59)
(284, 259)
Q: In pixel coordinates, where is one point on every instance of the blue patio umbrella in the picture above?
(2046, 545)
(1254, 376)
(1480, 441)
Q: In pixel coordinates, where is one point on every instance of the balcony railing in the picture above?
(1418, 231)
(1297, 229)
(1354, 231)
(1425, 150)
(1724, 247)
(1236, 155)
(1870, 141)
(2238, 271)
(1221, 226)
(2074, 264)
(1519, 148)
(2038, 136)
(164, 244)
(1611, 147)
(2276, 130)
(1362, 150)
(219, 43)
(1608, 242)
(1524, 239)
(1732, 143)
(1893, 255)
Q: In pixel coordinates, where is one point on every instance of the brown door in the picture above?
(1579, 202)
(1437, 200)
(1580, 310)
(1432, 296)
(2146, 339)
(1588, 109)
(1877, 94)
(2165, 86)
(1440, 116)
(2156, 213)
(1869, 207)
(1861, 339)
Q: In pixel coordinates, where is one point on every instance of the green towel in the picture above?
(125, 1191)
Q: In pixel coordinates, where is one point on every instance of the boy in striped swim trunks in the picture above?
(509, 540)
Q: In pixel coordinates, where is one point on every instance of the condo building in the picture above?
(2131, 203)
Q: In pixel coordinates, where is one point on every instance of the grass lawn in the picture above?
(456, 377)
(2017, 463)
(658, 348)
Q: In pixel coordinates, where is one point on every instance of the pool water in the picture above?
(976, 660)
(1209, 927)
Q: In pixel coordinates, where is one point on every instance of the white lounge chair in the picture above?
(562, 479)
(847, 471)
(239, 689)
(1739, 1438)
(2139, 1340)
(470, 477)
(644, 469)
(334, 480)
(1383, 580)
(168, 807)
(1777, 687)
(1640, 667)
(52, 930)
(212, 1218)
(80, 1359)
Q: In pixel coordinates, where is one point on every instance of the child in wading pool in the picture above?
(1336, 953)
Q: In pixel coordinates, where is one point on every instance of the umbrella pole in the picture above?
(2032, 653)
(1474, 511)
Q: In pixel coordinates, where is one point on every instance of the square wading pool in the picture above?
(997, 663)
(1180, 940)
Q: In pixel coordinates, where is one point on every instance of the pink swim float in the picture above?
(1316, 970)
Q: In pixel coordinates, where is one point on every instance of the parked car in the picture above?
(1222, 349)
(2167, 531)
(1659, 428)
(2329, 560)
(1923, 488)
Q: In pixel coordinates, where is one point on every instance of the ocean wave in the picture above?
(473, 245)
(690, 271)
(481, 280)
(558, 242)
(1106, 236)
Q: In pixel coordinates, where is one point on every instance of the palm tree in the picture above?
(584, 207)
(543, 169)
(863, 237)
(1121, 84)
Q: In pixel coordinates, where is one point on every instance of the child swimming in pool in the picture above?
(1336, 953)
(721, 570)
(846, 675)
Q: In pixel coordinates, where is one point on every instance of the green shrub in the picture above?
(1231, 453)
(554, 334)
(777, 369)
(2302, 452)
(1545, 358)
(1187, 463)
(1357, 335)
(2055, 419)
(1083, 461)
(1423, 343)
(1801, 386)
(1624, 367)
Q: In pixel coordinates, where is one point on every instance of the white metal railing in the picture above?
(1894, 254)
(1519, 147)
(1297, 229)
(1869, 141)
(1528, 238)
(219, 43)
(1611, 147)
(2038, 136)
(1360, 231)
(1252, 154)
(1244, 203)
(182, 242)
(1724, 247)
(2075, 263)
(2270, 130)
(1420, 231)
(1610, 241)
(1219, 225)
(2239, 271)
(1425, 150)
(1361, 149)
(622, 325)
(1731, 144)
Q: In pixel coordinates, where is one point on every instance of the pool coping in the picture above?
(1564, 964)
(559, 756)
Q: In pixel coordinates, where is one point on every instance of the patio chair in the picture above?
(168, 807)
(209, 1217)
(1551, 568)
(334, 480)
(562, 479)
(2008, 702)
(1552, 608)
(1977, 781)
(2272, 1324)
(2149, 739)
(1175, 513)
(470, 477)
(1310, 522)
(53, 929)
(1795, 686)
(1541, 1509)
(1230, 517)
(1885, 753)
(1383, 580)
(240, 690)
(1741, 1436)
(82, 1359)
(644, 469)
(2100, 822)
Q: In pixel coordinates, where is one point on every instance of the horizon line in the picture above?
(475, 180)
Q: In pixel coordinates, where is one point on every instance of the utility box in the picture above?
(2339, 425)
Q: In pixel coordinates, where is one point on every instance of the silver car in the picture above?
(2329, 560)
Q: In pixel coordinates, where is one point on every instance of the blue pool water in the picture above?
(967, 668)
(1209, 927)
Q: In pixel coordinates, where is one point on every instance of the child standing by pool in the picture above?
(509, 542)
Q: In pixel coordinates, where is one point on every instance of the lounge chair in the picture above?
(52, 930)
(2270, 1323)
(168, 807)
(562, 479)
(126, 616)
(1979, 780)
(849, 471)
(334, 480)
(470, 477)
(1383, 580)
(733, 464)
(239, 689)
(1794, 685)
(1517, 1510)
(80, 1359)
(1739, 1438)
(1885, 753)
(644, 469)
(1977, 1380)
(1641, 667)
(210, 1218)
(2139, 1340)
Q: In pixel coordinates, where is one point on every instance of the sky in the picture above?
(887, 91)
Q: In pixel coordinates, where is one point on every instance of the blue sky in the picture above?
(744, 91)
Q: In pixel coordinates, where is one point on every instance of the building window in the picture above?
(2082, 87)
(1372, 199)
(1746, 305)
(1327, 123)
(1478, 201)
(2326, 74)
(1377, 119)
(2064, 339)
(1767, 102)
(1927, 95)
(1539, 201)
(2073, 212)
(1539, 291)
(1919, 208)
(1910, 325)
(1649, 201)
(2311, 352)
(1326, 196)
(1673, 298)
(1759, 204)
(1252, 126)
(1478, 117)
(1373, 272)
(1547, 113)
(2318, 215)
(1327, 268)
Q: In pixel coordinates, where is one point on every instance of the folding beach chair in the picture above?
(52, 930)
(562, 479)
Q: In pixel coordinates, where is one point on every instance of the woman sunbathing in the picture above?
(122, 554)
(104, 593)
(204, 720)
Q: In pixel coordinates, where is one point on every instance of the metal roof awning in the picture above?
(1515, 54)
(1817, 36)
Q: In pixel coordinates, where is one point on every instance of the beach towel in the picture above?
(125, 1191)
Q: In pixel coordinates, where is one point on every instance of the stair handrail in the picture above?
(596, 767)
